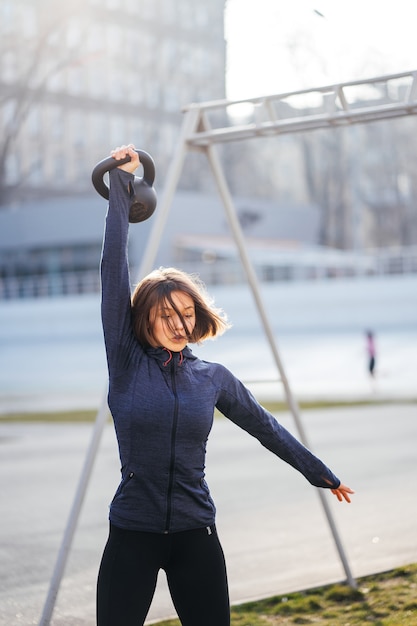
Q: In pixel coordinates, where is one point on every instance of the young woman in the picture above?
(162, 399)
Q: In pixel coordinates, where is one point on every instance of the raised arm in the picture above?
(115, 279)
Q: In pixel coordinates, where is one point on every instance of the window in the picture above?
(35, 177)
(74, 34)
(117, 129)
(171, 98)
(153, 98)
(9, 66)
(12, 168)
(33, 122)
(78, 128)
(56, 123)
(7, 12)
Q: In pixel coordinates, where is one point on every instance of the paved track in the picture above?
(271, 522)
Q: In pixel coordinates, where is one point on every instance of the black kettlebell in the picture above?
(143, 195)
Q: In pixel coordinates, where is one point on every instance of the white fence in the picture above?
(66, 283)
(297, 266)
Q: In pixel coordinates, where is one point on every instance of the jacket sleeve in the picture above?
(237, 403)
(115, 278)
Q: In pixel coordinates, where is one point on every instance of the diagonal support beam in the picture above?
(217, 170)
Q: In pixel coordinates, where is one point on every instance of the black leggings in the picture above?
(195, 568)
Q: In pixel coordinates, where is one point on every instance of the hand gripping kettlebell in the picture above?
(142, 193)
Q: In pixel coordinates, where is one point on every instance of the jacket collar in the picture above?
(166, 357)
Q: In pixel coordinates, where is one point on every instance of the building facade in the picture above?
(78, 78)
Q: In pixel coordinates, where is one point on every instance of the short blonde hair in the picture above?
(156, 289)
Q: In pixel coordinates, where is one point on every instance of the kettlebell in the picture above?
(142, 193)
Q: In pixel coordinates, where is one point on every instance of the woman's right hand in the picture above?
(121, 152)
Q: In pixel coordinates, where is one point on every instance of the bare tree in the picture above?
(34, 67)
(327, 173)
(386, 190)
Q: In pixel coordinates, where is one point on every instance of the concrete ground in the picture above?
(270, 520)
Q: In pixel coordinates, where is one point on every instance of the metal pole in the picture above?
(173, 175)
(101, 419)
(253, 282)
(252, 279)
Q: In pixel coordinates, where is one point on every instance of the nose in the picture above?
(177, 323)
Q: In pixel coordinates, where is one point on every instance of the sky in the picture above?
(275, 46)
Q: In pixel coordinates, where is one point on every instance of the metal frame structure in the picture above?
(204, 126)
(330, 106)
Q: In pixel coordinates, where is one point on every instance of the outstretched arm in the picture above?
(237, 403)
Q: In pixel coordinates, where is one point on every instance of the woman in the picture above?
(371, 352)
(162, 399)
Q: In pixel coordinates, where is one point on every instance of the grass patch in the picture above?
(386, 599)
(277, 407)
(51, 416)
(271, 406)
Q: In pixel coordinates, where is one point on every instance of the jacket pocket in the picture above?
(123, 484)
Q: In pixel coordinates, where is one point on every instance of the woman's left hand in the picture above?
(342, 493)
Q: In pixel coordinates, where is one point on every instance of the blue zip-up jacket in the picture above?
(162, 405)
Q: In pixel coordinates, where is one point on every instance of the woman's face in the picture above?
(166, 325)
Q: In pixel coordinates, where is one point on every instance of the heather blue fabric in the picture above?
(162, 405)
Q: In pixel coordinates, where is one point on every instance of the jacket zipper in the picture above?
(173, 446)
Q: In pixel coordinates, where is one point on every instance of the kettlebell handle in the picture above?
(110, 163)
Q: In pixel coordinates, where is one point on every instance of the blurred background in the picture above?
(330, 216)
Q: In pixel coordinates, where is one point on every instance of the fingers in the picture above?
(342, 493)
(123, 151)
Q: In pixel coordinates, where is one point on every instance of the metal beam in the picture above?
(342, 104)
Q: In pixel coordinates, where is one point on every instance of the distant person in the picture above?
(162, 399)
(371, 352)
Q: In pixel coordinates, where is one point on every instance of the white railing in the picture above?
(309, 265)
(67, 283)
(304, 266)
